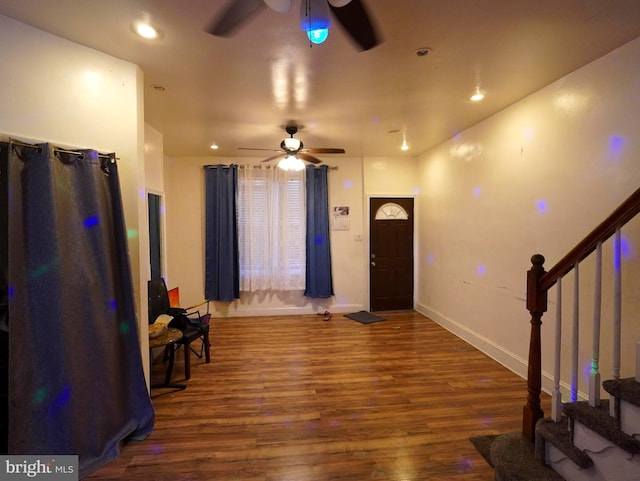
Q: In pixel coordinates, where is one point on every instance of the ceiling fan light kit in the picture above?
(293, 154)
(291, 162)
(290, 143)
(315, 19)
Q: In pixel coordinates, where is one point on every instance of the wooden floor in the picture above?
(300, 399)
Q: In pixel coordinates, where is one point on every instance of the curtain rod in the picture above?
(330, 167)
(59, 149)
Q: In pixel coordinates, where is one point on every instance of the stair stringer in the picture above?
(625, 397)
(610, 463)
(565, 467)
(609, 460)
(630, 419)
(594, 448)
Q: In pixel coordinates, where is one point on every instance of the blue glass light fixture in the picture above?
(318, 36)
(315, 19)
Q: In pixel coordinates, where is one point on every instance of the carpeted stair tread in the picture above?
(627, 389)
(598, 420)
(513, 459)
(483, 445)
(558, 434)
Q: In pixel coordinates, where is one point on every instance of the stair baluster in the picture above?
(556, 396)
(594, 373)
(617, 310)
(638, 362)
(575, 341)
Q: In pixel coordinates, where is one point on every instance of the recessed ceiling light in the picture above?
(423, 52)
(145, 30)
(478, 96)
(404, 146)
(158, 88)
(213, 146)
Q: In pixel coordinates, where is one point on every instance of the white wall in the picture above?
(184, 183)
(535, 178)
(57, 91)
(355, 180)
(153, 160)
(391, 176)
(154, 184)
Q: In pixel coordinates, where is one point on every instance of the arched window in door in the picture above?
(391, 211)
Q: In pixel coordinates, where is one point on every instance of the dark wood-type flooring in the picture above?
(299, 399)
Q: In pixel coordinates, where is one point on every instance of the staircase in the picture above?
(587, 444)
(583, 440)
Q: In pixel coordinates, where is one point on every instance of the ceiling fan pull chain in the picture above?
(307, 13)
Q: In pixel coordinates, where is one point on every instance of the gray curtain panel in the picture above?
(76, 382)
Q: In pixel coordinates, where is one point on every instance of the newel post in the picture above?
(536, 305)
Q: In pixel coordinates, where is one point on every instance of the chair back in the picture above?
(158, 298)
(174, 297)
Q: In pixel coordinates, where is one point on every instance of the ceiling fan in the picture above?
(352, 15)
(292, 148)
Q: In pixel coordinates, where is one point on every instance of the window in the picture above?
(391, 211)
(271, 229)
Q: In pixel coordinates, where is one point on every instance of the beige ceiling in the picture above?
(241, 91)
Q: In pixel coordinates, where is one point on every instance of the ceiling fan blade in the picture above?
(280, 6)
(251, 148)
(273, 157)
(236, 13)
(309, 158)
(325, 151)
(357, 22)
(339, 3)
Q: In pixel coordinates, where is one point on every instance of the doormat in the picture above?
(364, 317)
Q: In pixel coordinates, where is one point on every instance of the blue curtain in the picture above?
(319, 282)
(76, 383)
(222, 266)
(4, 300)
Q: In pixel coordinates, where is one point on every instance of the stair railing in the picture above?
(540, 281)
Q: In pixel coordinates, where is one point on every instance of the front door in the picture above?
(391, 254)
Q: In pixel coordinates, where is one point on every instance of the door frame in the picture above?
(367, 246)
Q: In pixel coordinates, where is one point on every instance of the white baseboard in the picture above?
(224, 310)
(508, 359)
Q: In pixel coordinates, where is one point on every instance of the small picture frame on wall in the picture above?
(341, 218)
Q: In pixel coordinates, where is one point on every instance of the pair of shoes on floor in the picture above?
(326, 315)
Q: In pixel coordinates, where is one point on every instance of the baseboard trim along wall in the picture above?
(508, 359)
(222, 310)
